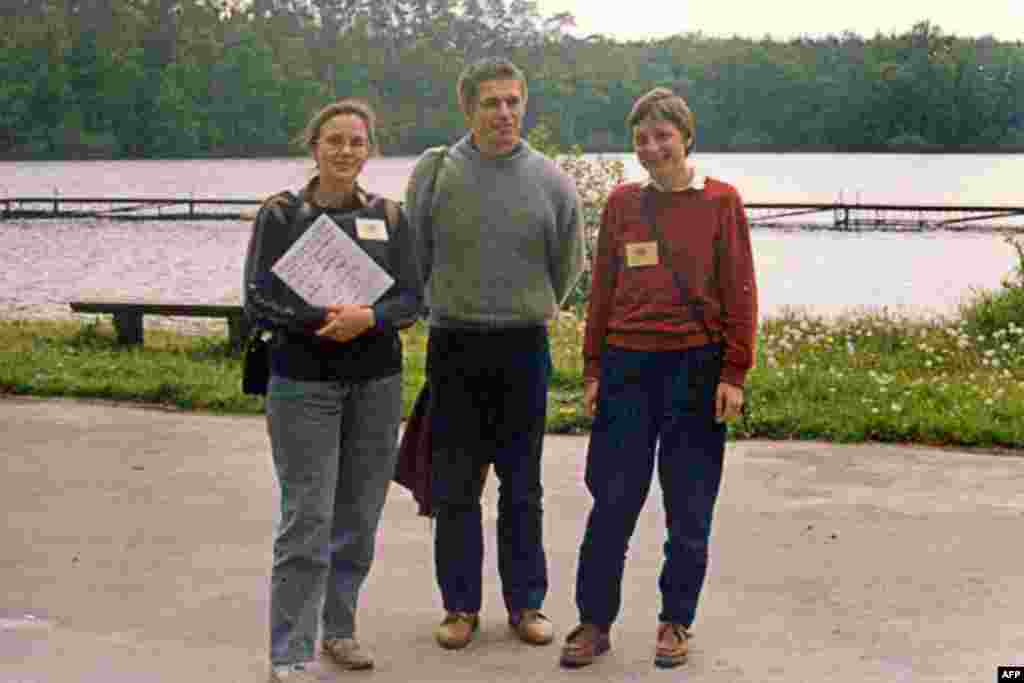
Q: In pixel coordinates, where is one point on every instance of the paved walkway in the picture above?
(137, 545)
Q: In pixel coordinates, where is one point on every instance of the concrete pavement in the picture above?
(137, 547)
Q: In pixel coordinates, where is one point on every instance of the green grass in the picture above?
(84, 360)
(864, 378)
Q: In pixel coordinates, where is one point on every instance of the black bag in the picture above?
(256, 364)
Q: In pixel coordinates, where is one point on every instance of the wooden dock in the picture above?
(886, 217)
(823, 216)
(129, 208)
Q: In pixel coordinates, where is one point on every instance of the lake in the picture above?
(46, 263)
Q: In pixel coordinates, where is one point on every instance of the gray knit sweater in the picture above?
(501, 240)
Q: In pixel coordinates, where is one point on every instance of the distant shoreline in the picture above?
(929, 150)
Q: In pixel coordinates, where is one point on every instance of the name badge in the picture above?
(641, 254)
(372, 229)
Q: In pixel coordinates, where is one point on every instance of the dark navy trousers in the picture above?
(488, 406)
(651, 403)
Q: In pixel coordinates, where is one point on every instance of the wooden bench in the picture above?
(128, 317)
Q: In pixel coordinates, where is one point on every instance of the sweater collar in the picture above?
(471, 146)
(697, 181)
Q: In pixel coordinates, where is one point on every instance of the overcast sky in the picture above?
(638, 19)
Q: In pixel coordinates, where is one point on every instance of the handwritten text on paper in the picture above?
(325, 266)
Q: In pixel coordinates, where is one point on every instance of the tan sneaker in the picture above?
(531, 626)
(586, 643)
(348, 654)
(672, 647)
(292, 673)
(457, 629)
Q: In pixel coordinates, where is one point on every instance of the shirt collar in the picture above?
(697, 181)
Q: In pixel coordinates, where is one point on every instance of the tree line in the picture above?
(187, 78)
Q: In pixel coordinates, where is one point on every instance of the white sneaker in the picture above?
(292, 673)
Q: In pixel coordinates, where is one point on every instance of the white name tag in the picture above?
(640, 254)
(372, 229)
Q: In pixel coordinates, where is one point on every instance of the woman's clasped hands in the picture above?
(345, 322)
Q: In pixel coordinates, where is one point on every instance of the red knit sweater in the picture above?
(640, 307)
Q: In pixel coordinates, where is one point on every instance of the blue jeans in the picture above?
(651, 402)
(334, 446)
(488, 405)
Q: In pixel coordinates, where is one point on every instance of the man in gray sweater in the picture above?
(500, 229)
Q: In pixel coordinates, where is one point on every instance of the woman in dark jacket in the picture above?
(334, 397)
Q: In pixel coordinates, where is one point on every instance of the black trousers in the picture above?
(488, 406)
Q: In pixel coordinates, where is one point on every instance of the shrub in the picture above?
(988, 311)
(750, 140)
(910, 142)
(1014, 139)
(595, 179)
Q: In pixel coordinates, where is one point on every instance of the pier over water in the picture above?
(806, 215)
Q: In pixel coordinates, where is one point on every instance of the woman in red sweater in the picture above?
(670, 335)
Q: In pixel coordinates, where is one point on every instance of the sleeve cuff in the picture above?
(380, 325)
(734, 375)
(314, 319)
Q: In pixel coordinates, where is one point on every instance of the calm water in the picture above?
(825, 272)
(867, 178)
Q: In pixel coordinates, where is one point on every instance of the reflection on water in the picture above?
(824, 272)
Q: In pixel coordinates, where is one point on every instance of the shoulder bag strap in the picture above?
(391, 212)
(433, 180)
(437, 170)
(428, 222)
(696, 304)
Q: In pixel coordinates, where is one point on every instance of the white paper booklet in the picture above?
(325, 266)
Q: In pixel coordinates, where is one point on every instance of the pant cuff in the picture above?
(605, 626)
(332, 635)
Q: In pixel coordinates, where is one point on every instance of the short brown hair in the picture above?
(661, 104)
(311, 134)
(486, 69)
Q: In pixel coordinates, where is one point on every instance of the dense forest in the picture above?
(185, 78)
